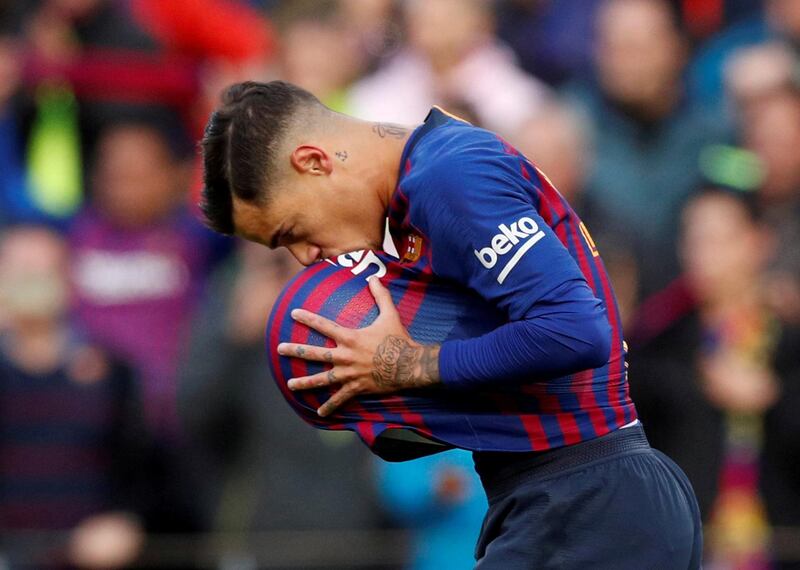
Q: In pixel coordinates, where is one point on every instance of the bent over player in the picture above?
(541, 399)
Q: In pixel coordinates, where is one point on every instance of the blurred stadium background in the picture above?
(138, 424)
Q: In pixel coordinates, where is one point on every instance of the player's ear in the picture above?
(309, 159)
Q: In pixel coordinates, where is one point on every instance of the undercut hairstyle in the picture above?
(240, 145)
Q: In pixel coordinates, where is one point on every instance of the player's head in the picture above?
(281, 169)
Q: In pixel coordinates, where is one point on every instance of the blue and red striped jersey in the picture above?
(495, 261)
(432, 310)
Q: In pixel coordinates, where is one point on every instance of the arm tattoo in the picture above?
(400, 364)
(384, 130)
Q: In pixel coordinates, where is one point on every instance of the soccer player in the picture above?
(571, 480)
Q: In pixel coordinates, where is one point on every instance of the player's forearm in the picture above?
(402, 364)
(547, 346)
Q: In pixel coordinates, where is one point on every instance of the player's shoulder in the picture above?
(445, 137)
(446, 153)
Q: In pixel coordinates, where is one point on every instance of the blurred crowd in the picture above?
(135, 398)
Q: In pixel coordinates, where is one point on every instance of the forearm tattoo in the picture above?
(400, 364)
(384, 130)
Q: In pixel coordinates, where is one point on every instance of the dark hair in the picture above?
(165, 122)
(240, 142)
(747, 200)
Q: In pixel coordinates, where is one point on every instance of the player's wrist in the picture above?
(400, 363)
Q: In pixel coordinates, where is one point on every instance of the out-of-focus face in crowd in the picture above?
(785, 15)
(754, 73)
(137, 180)
(320, 55)
(34, 286)
(49, 31)
(445, 30)
(364, 14)
(723, 249)
(772, 131)
(556, 141)
(640, 54)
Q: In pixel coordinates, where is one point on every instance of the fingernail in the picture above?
(295, 312)
(281, 348)
(319, 411)
(290, 384)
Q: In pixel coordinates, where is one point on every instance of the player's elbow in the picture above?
(595, 345)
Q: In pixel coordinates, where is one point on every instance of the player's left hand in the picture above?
(378, 359)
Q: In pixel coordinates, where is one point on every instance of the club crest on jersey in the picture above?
(524, 231)
(413, 248)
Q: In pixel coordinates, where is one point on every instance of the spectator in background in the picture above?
(263, 463)
(645, 135)
(319, 52)
(780, 20)
(450, 46)
(725, 375)
(71, 437)
(140, 258)
(376, 28)
(553, 39)
(82, 59)
(770, 113)
(440, 497)
(208, 44)
(557, 141)
(111, 54)
(754, 74)
(31, 191)
(60, 30)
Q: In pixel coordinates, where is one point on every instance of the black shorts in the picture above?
(610, 503)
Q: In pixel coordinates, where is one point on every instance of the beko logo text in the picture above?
(524, 230)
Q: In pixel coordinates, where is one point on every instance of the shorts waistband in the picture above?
(499, 471)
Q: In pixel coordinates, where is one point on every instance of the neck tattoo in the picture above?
(390, 130)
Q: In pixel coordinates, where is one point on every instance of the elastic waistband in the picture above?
(500, 471)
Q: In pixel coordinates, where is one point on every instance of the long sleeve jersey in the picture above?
(532, 355)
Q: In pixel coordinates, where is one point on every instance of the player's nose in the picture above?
(306, 254)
